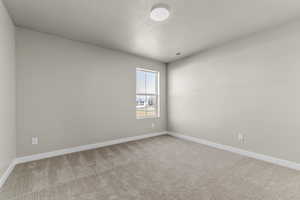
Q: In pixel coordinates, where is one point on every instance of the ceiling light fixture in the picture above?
(178, 54)
(160, 12)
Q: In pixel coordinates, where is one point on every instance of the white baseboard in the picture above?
(270, 159)
(84, 148)
(6, 174)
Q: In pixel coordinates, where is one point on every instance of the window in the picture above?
(147, 94)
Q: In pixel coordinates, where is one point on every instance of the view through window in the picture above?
(147, 93)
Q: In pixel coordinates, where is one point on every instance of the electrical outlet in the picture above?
(241, 138)
(34, 140)
(153, 125)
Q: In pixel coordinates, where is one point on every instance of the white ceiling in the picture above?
(124, 25)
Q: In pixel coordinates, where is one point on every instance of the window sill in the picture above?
(147, 118)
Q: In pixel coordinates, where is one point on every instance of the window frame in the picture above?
(157, 93)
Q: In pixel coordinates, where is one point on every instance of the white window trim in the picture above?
(157, 93)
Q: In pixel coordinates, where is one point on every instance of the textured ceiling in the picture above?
(124, 25)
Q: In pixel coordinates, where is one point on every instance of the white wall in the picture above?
(250, 86)
(71, 93)
(7, 90)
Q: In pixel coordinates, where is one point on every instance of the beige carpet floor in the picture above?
(160, 168)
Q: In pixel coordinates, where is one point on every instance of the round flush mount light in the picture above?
(160, 12)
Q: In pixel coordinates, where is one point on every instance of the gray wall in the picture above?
(250, 86)
(7, 90)
(71, 93)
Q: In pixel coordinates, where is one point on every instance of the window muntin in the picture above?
(147, 93)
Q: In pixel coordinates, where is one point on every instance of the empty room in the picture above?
(149, 100)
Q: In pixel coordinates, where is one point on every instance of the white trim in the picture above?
(84, 148)
(146, 69)
(270, 159)
(8, 171)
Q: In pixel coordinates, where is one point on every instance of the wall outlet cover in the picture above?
(153, 125)
(241, 138)
(34, 140)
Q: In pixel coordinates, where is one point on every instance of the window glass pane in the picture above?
(147, 99)
(151, 106)
(141, 106)
(140, 82)
(151, 82)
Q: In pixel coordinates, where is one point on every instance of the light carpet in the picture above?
(159, 168)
